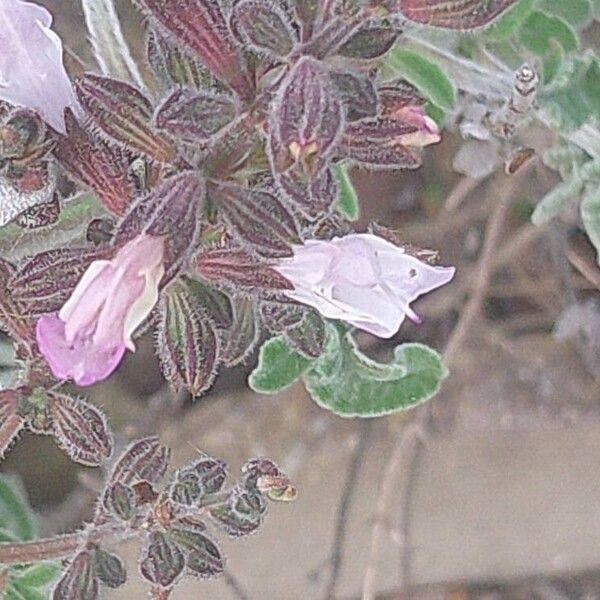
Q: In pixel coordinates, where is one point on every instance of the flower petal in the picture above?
(361, 279)
(31, 68)
(86, 364)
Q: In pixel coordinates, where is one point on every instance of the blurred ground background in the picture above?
(491, 492)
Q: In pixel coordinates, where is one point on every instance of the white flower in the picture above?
(362, 279)
(32, 74)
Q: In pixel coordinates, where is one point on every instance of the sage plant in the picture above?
(210, 206)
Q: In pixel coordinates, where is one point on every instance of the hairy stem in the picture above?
(60, 546)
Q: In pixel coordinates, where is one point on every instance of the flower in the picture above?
(87, 339)
(32, 74)
(362, 279)
(427, 130)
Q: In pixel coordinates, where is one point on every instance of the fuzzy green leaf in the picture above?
(347, 200)
(350, 384)
(16, 520)
(590, 214)
(537, 31)
(425, 75)
(510, 21)
(575, 12)
(278, 367)
(555, 200)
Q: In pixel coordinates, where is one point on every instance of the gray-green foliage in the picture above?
(549, 35)
(346, 381)
(17, 523)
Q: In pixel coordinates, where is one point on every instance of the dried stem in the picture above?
(406, 450)
(339, 537)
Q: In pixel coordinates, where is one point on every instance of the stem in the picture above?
(479, 80)
(406, 451)
(60, 546)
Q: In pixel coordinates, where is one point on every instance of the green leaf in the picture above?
(555, 200)
(351, 384)
(17, 524)
(553, 61)
(537, 31)
(510, 21)
(424, 74)
(38, 575)
(573, 98)
(574, 12)
(16, 519)
(278, 367)
(347, 200)
(590, 214)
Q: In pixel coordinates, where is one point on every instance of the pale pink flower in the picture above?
(32, 74)
(428, 132)
(361, 279)
(87, 339)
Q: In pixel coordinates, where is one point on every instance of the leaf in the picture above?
(572, 97)
(454, 14)
(187, 343)
(575, 12)
(110, 48)
(590, 214)
(555, 200)
(278, 367)
(510, 21)
(350, 384)
(425, 75)
(37, 576)
(537, 31)
(80, 429)
(347, 202)
(263, 26)
(16, 520)
(200, 26)
(122, 115)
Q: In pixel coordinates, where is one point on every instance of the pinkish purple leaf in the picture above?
(263, 26)
(453, 14)
(162, 562)
(143, 460)
(123, 115)
(78, 581)
(170, 210)
(187, 343)
(97, 165)
(193, 115)
(80, 429)
(238, 268)
(258, 218)
(201, 27)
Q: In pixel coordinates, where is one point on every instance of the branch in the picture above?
(406, 451)
(12, 553)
